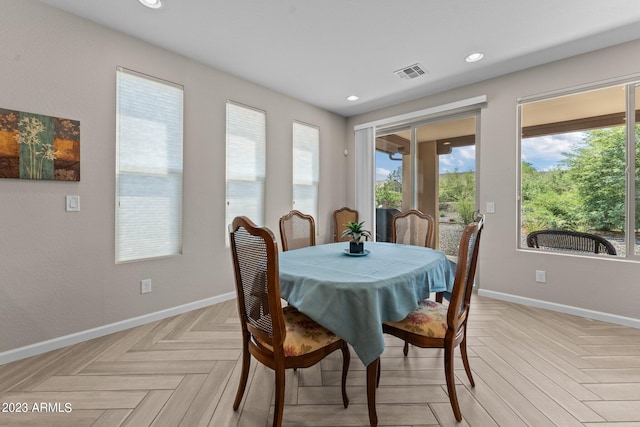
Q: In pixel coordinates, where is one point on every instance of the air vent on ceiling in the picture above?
(411, 72)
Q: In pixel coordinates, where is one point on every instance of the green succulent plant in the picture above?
(355, 231)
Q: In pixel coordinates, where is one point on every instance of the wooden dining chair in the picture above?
(280, 338)
(413, 227)
(434, 325)
(340, 218)
(297, 230)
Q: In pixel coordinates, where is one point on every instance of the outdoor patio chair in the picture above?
(572, 241)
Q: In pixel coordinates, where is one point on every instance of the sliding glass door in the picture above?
(430, 166)
(393, 170)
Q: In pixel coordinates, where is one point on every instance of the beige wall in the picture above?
(57, 270)
(608, 286)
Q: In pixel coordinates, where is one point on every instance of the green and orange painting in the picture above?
(34, 146)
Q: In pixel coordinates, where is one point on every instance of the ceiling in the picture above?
(322, 51)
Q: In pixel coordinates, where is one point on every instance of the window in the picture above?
(576, 150)
(306, 168)
(246, 162)
(148, 167)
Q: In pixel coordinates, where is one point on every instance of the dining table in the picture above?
(353, 294)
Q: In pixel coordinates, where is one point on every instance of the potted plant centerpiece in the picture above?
(358, 236)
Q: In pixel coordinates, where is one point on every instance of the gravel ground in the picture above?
(450, 237)
(618, 242)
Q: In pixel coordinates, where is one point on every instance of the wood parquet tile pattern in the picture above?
(532, 368)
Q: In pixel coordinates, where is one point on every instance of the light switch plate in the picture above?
(491, 207)
(73, 203)
(145, 286)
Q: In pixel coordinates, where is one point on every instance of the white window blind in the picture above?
(246, 162)
(149, 121)
(306, 168)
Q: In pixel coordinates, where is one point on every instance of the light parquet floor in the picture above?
(532, 368)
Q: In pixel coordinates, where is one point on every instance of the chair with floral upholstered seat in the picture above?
(434, 325)
(280, 338)
(297, 230)
(413, 227)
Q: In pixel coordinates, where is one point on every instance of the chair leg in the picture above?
(405, 349)
(465, 360)
(372, 369)
(278, 408)
(378, 373)
(451, 383)
(439, 296)
(244, 375)
(346, 359)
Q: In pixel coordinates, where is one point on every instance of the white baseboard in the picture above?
(56, 343)
(567, 309)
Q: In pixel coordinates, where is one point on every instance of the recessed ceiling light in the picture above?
(474, 57)
(153, 4)
(352, 98)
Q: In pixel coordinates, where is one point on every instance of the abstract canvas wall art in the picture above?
(35, 146)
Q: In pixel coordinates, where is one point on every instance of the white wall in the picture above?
(57, 269)
(605, 286)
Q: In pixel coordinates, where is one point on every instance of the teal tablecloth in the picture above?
(353, 296)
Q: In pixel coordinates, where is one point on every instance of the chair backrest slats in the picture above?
(255, 258)
(465, 275)
(413, 228)
(568, 240)
(297, 230)
(340, 218)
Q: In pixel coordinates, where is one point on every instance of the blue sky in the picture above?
(462, 158)
(543, 152)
